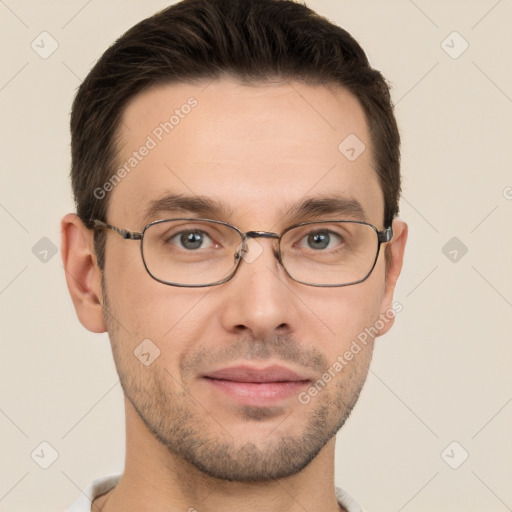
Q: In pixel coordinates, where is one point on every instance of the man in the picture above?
(236, 176)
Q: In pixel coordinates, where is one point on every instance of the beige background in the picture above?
(441, 375)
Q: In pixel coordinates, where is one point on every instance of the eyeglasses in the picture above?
(192, 252)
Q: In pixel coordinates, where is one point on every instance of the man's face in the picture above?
(259, 151)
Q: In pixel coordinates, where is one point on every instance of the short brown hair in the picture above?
(251, 40)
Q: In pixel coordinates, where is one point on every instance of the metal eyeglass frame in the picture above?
(383, 236)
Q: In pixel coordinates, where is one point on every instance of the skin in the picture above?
(260, 149)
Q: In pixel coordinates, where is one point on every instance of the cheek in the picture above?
(144, 306)
(141, 308)
(347, 311)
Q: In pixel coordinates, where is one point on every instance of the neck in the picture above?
(156, 480)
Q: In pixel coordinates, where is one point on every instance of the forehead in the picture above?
(255, 149)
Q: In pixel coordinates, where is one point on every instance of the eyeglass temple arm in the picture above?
(386, 235)
(127, 235)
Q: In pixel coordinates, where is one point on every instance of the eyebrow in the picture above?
(327, 205)
(207, 207)
(179, 203)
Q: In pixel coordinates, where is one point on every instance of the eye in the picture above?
(192, 239)
(319, 240)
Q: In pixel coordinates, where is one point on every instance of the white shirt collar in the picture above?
(103, 485)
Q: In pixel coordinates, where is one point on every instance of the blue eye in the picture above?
(319, 240)
(192, 240)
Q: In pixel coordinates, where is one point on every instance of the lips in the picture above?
(247, 374)
(258, 387)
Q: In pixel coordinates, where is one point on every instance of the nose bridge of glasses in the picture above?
(243, 247)
(261, 234)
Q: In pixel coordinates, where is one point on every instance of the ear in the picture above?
(83, 275)
(396, 250)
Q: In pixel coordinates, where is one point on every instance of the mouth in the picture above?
(258, 387)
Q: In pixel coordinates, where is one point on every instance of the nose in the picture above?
(260, 299)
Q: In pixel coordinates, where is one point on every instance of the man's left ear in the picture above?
(395, 258)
